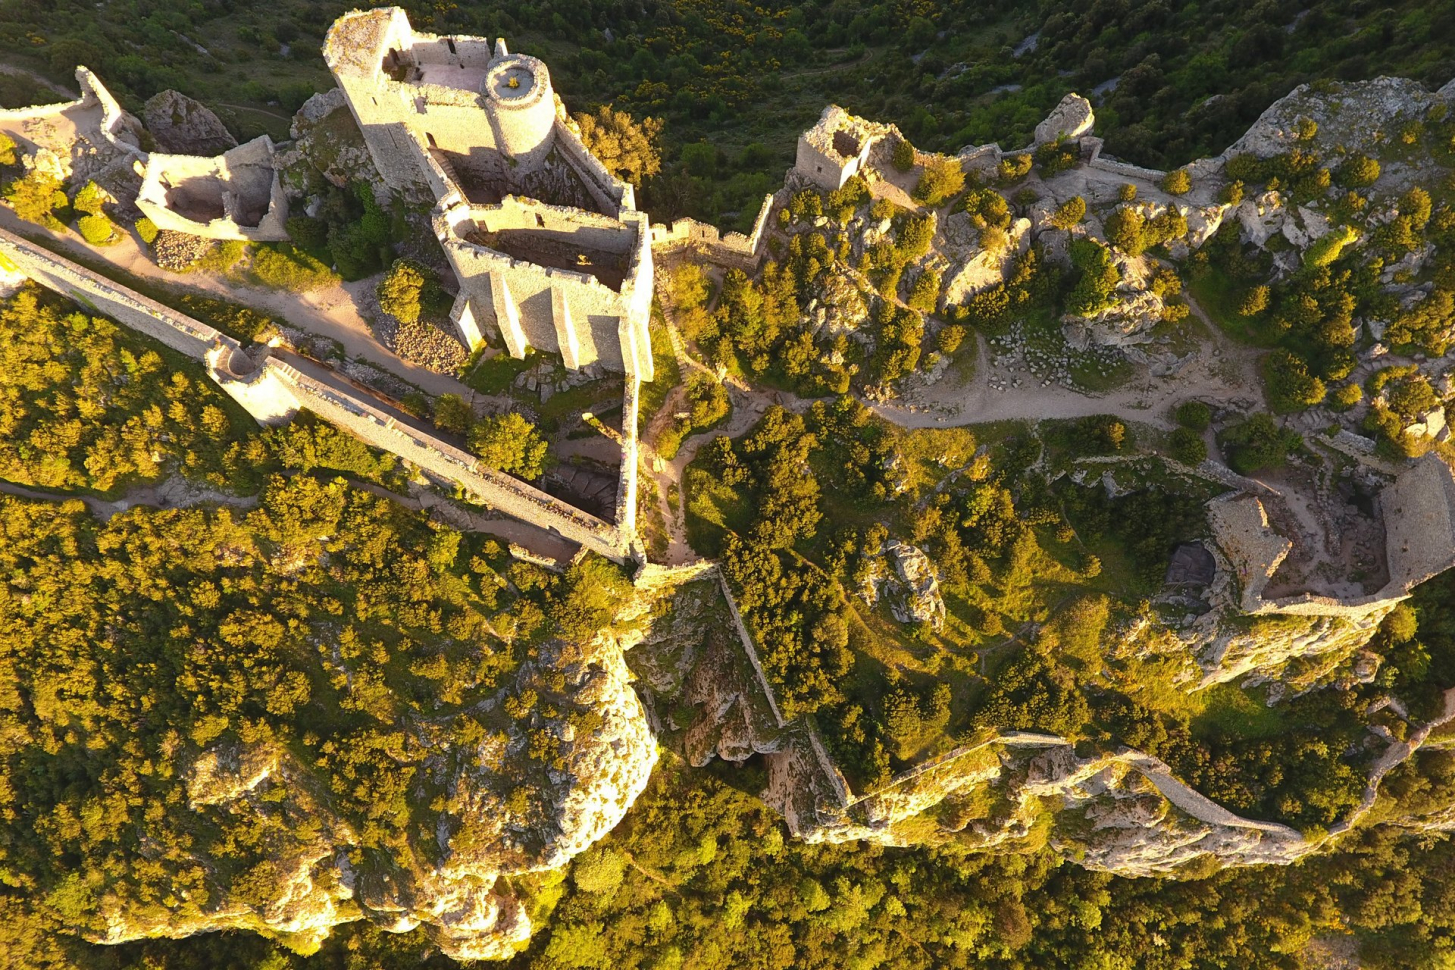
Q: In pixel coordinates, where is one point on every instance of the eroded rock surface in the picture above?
(184, 126)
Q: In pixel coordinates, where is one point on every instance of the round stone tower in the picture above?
(517, 89)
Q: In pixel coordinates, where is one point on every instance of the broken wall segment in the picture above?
(274, 391)
(236, 195)
(837, 148)
(732, 249)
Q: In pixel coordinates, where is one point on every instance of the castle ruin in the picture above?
(546, 244)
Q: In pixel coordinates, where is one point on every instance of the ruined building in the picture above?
(547, 245)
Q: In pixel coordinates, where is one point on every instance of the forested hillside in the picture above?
(736, 82)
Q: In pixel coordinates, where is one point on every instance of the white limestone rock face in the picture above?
(503, 812)
(1072, 118)
(968, 268)
(327, 146)
(918, 599)
(183, 126)
(1122, 813)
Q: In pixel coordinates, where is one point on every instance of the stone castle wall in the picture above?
(274, 391)
(731, 249)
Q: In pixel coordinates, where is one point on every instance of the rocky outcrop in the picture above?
(327, 147)
(903, 575)
(183, 126)
(1070, 119)
(525, 795)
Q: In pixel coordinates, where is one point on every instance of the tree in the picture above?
(1187, 446)
(37, 197)
(452, 413)
(1258, 443)
(1290, 385)
(1096, 288)
(511, 444)
(943, 179)
(1177, 182)
(1194, 414)
(1126, 229)
(1069, 213)
(903, 157)
(626, 147)
(401, 290)
(1359, 171)
(97, 230)
(90, 199)
(7, 150)
(1255, 301)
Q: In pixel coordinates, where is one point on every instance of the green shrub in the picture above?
(89, 200)
(511, 444)
(97, 230)
(1358, 172)
(1126, 229)
(1014, 168)
(903, 157)
(924, 293)
(1069, 213)
(308, 232)
(1347, 395)
(286, 267)
(1259, 443)
(38, 197)
(8, 155)
(1194, 415)
(401, 290)
(1232, 193)
(1255, 301)
(951, 338)
(1329, 247)
(1290, 385)
(1177, 182)
(1187, 446)
(1127, 192)
(942, 180)
(1056, 157)
(146, 229)
(1095, 288)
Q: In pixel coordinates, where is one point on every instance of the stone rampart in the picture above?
(272, 391)
(731, 249)
(236, 195)
(500, 491)
(1113, 167)
(176, 330)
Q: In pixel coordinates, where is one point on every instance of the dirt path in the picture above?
(174, 493)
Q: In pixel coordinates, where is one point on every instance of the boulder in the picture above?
(1072, 118)
(183, 126)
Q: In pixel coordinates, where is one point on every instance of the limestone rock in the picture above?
(1072, 118)
(903, 575)
(450, 883)
(183, 126)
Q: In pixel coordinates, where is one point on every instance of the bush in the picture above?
(1127, 192)
(1194, 415)
(89, 200)
(1290, 385)
(1069, 213)
(1358, 172)
(38, 197)
(942, 180)
(308, 232)
(1014, 169)
(1255, 301)
(925, 292)
(1187, 446)
(285, 267)
(452, 413)
(7, 150)
(951, 338)
(1177, 182)
(511, 444)
(97, 230)
(1095, 288)
(1232, 193)
(1259, 443)
(1126, 229)
(903, 157)
(401, 289)
(1329, 247)
(146, 229)
(1056, 157)
(1347, 395)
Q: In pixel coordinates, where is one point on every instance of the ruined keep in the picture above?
(235, 195)
(545, 242)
